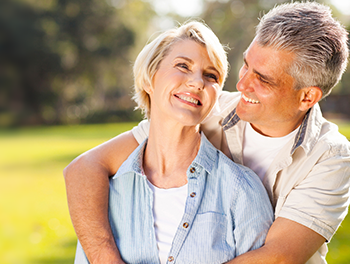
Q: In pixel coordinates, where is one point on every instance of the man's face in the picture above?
(268, 101)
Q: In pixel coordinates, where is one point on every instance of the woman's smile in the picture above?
(189, 98)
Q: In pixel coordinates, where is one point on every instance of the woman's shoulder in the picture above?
(236, 174)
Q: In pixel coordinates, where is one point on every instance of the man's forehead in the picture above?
(268, 53)
(267, 61)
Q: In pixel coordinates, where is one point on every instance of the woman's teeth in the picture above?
(249, 100)
(188, 99)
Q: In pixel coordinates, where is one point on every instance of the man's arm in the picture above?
(286, 242)
(87, 185)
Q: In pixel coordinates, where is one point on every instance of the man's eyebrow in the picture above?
(263, 76)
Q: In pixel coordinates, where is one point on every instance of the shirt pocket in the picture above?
(207, 241)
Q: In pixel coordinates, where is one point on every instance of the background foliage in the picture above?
(69, 61)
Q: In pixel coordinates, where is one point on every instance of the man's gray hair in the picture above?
(318, 41)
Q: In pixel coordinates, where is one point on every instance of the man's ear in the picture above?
(309, 97)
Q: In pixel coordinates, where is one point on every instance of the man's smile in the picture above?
(245, 98)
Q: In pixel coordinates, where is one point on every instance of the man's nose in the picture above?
(245, 83)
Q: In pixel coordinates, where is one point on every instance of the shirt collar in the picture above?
(307, 135)
(310, 130)
(206, 157)
(134, 161)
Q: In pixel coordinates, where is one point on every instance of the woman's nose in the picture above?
(196, 81)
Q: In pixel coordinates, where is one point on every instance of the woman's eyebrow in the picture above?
(191, 61)
(185, 58)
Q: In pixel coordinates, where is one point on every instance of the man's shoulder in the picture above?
(228, 101)
(329, 134)
(322, 135)
(331, 137)
(211, 125)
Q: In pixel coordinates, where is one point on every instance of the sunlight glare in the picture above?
(342, 5)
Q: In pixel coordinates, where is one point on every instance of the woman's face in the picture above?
(185, 86)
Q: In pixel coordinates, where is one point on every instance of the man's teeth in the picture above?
(249, 100)
(188, 99)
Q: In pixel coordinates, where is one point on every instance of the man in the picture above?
(274, 126)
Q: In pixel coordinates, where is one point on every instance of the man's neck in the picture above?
(277, 130)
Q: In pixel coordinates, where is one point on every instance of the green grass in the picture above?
(35, 227)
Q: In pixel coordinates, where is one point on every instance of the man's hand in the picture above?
(87, 185)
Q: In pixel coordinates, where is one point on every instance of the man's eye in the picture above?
(262, 80)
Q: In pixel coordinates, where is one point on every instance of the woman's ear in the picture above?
(148, 88)
(309, 97)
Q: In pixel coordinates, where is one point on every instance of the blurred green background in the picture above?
(65, 87)
(35, 227)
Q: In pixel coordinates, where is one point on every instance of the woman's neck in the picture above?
(169, 152)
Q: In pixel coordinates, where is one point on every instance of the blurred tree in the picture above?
(63, 61)
(25, 63)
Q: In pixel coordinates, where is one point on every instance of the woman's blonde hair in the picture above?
(148, 60)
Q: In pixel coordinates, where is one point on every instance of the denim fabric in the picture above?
(227, 211)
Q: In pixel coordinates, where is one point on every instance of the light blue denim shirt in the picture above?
(227, 211)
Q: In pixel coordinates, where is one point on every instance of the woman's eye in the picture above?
(182, 65)
(212, 76)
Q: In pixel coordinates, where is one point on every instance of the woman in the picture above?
(177, 198)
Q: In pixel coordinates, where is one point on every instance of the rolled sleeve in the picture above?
(320, 202)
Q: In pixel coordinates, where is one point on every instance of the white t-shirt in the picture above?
(168, 210)
(259, 151)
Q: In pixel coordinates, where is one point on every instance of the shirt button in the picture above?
(192, 170)
(171, 259)
(185, 225)
(193, 194)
